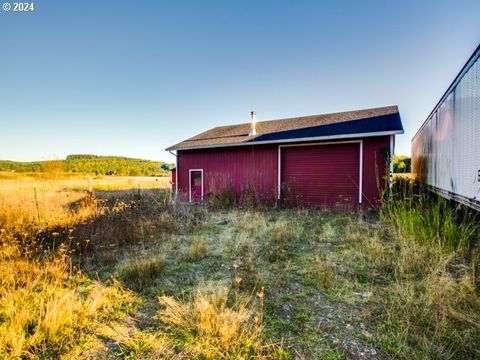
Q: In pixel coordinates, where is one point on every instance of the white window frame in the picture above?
(360, 175)
(190, 184)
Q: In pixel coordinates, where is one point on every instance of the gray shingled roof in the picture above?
(238, 134)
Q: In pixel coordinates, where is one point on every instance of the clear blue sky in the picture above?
(132, 77)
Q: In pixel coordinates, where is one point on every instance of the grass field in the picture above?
(45, 201)
(110, 268)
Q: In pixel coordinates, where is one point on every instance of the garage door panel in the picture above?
(321, 175)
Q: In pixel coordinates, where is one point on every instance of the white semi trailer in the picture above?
(446, 148)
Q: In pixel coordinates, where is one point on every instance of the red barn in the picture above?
(332, 160)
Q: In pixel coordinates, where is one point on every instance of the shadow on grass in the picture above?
(116, 218)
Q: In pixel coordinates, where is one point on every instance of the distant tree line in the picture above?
(402, 164)
(92, 164)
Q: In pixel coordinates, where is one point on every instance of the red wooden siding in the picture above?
(174, 179)
(375, 167)
(244, 167)
(255, 168)
(321, 175)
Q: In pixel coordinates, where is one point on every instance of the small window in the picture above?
(197, 180)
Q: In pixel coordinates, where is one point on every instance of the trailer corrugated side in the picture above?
(446, 149)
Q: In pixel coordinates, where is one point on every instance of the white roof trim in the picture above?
(283, 141)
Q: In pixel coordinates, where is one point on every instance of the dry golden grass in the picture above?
(429, 293)
(420, 293)
(407, 176)
(28, 200)
(208, 327)
(47, 308)
(321, 273)
(142, 270)
(197, 250)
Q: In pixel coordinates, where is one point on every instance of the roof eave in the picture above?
(313, 138)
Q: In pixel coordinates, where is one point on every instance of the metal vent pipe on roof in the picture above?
(253, 130)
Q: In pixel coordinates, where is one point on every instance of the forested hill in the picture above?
(92, 164)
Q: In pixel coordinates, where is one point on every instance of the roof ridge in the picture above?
(234, 133)
(330, 114)
(310, 116)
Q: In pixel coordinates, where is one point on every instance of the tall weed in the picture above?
(212, 327)
(431, 220)
(45, 310)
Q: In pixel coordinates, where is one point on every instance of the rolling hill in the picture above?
(92, 164)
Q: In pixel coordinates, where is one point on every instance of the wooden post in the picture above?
(36, 203)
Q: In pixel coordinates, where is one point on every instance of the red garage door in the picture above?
(321, 175)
